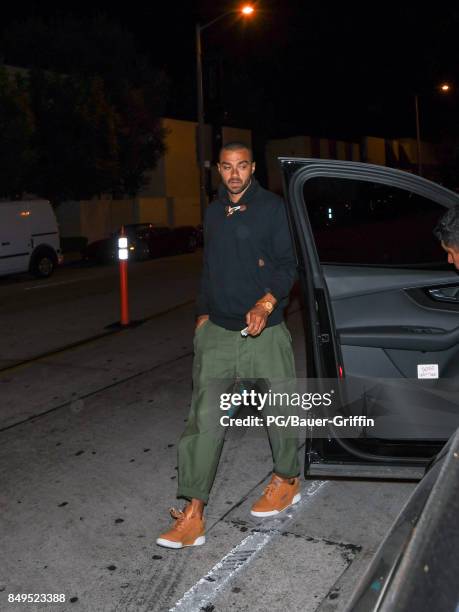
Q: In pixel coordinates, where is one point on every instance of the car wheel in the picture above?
(43, 264)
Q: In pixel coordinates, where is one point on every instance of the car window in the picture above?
(360, 222)
(142, 231)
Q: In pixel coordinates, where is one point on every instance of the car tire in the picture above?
(43, 263)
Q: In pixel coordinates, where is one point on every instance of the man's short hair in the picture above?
(447, 229)
(235, 146)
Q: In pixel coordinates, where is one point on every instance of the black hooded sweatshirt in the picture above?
(246, 255)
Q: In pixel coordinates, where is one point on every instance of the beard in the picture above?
(237, 186)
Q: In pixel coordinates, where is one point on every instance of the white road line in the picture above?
(76, 280)
(205, 590)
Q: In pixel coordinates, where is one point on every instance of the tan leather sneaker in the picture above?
(188, 530)
(281, 493)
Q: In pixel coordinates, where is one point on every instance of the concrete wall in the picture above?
(68, 216)
(305, 146)
(375, 151)
(182, 172)
(324, 148)
(430, 153)
(297, 146)
(186, 211)
(96, 219)
(341, 152)
(155, 181)
(232, 134)
(153, 210)
(180, 164)
(402, 153)
(176, 178)
(170, 196)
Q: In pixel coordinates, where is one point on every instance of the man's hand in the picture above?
(256, 319)
(200, 321)
(257, 316)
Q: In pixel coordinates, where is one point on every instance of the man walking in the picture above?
(447, 231)
(248, 272)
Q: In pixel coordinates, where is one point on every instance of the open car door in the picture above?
(381, 306)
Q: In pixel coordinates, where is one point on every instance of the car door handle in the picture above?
(446, 294)
(6, 243)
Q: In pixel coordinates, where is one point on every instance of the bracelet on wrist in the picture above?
(267, 305)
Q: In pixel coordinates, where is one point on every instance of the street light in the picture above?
(245, 10)
(443, 88)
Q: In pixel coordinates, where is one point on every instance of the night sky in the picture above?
(299, 67)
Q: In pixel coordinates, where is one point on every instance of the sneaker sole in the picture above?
(295, 500)
(170, 544)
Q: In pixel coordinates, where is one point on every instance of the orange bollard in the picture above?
(123, 259)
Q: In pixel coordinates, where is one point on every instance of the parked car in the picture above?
(187, 238)
(29, 238)
(415, 567)
(162, 241)
(381, 307)
(145, 240)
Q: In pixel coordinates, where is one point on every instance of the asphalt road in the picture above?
(88, 464)
(79, 301)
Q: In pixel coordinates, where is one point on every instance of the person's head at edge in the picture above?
(236, 167)
(447, 231)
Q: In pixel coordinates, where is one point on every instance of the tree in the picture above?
(75, 138)
(97, 106)
(16, 131)
(141, 142)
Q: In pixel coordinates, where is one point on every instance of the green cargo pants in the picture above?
(225, 354)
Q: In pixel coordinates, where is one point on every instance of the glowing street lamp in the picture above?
(245, 11)
(443, 88)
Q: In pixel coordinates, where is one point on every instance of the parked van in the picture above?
(29, 238)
